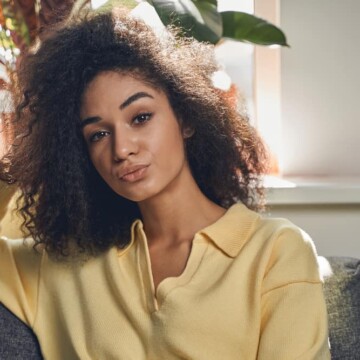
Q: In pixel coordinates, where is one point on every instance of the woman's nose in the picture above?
(125, 144)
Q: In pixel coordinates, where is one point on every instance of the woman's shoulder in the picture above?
(278, 245)
(288, 252)
(265, 230)
(281, 233)
(244, 232)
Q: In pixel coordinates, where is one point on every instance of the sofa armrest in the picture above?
(17, 341)
(342, 294)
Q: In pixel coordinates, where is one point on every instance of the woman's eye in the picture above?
(98, 136)
(141, 118)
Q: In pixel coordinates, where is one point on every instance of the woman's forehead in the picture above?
(119, 89)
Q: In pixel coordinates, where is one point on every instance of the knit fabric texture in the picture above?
(251, 282)
(17, 341)
(342, 294)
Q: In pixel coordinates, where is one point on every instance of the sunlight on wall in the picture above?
(267, 87)
(236, 5)
(97, 3)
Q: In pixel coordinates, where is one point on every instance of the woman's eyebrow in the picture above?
(133, 98)
(89, 120)
(127, 102)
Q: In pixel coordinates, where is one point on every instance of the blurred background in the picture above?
(317, 126)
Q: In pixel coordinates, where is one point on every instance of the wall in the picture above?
(334, 228)
(320, 87)
(320, 114)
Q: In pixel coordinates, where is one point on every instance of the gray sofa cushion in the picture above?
(342, 294)
(17, 341)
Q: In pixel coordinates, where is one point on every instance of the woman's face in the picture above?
(134, 139)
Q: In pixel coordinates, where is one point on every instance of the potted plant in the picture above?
(22, 21)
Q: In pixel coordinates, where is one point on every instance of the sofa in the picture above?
(342, 294)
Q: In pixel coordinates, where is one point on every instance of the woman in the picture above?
(137, 180)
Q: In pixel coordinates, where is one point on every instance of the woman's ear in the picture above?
(187, 132)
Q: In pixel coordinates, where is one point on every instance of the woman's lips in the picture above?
(135, 174)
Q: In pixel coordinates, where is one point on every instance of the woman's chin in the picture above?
(138, 196)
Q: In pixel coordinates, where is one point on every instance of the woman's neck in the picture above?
(177, 214)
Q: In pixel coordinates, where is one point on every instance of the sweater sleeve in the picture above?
(294, 317)
(10, 222)
(19, 278)
(6, 193)
(19, 269)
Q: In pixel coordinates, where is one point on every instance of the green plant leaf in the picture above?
(248, 28)
(129, 4)
(213, 2)
(85, 5)
(28, 11)
(199, 19)
(15, 22)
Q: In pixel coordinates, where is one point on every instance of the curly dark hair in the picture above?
(63, 200)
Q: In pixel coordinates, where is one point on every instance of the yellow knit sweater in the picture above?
(250, 290)
(10, 222)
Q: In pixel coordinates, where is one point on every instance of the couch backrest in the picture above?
(342, 294)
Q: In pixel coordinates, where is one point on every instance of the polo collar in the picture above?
(231, 232)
